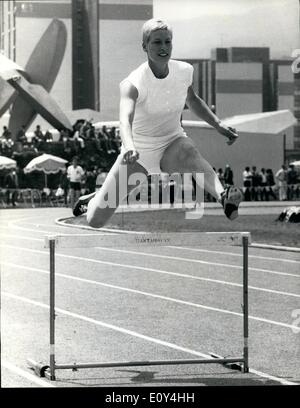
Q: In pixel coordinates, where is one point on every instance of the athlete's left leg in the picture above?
(182, 156)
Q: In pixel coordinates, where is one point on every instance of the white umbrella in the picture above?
(7, 163)
(47, 163)
(296, 163)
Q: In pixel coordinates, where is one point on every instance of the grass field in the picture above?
(264, 228)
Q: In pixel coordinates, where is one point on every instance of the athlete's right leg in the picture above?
(105, 202)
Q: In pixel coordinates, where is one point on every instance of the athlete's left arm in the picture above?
(201, 109)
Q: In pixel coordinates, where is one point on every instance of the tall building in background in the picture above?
(8, 29)
(85, 54)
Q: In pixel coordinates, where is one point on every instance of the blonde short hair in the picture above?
(153, 25)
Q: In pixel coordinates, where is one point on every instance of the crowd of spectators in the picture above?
(263, 185)
(90, 153)
(95, 151)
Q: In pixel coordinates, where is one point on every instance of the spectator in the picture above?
(31, 148)
(67, 144)
(75, 175)
(292, 179)
(78, 139)
(220, 174)
(7, 143)
(106, 140)
(113, 138)
(247, 182)
(255, 184)
(39, 136)
(6, 133)
(90, 181)
(48, 137)
(64, 184)
(21, 135)
(34, 142)
(11, 183)
(98, 140)
(228, 176)
(263, 185)
(281, 177)
(270, 184)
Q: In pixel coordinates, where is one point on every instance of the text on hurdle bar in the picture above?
(147, 239)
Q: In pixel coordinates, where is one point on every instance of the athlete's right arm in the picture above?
(128, 97)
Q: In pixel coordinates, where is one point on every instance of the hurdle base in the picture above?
(240, 366)
(39, 369)
(44, 371)
(49, 376)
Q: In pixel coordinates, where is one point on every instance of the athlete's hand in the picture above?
(130, 156)
(228, 132)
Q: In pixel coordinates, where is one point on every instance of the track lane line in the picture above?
(277, 292)
(167, 298)
(177, 258)
(267, 258)
(134, 334)
(21, 237)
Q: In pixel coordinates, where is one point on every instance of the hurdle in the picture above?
(170, 239)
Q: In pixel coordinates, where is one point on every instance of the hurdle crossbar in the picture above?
(145, 240)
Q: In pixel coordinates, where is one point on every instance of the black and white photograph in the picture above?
(150, 186)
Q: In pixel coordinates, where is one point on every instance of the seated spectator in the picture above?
(6, 133)
(21, 135)
(106, 140)
(78, 140)
(48, 137)
(118, 141)
(90, 132)
(6, 142)
(30, 150)
(83, 128)
(98, 140)
(67, 143)
(39, 136)
(35, 141)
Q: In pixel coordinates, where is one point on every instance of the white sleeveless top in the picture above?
(160, 102)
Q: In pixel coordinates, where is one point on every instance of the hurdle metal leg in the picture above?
(240, 363)
(245, 303)
(52, 308)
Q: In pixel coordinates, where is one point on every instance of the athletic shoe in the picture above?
(230, 200)
(80, 206)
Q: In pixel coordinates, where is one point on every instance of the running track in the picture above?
(150, 303)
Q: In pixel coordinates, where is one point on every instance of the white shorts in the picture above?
(151, 151)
